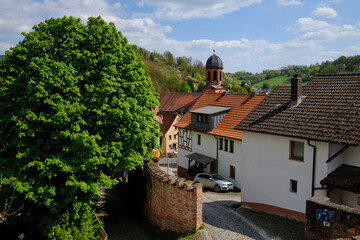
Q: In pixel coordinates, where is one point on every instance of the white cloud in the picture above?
(324, 12)
(352, 49)
(288, 2)
(5, 46)
(187, 9)
(21, 15)
(347, 27)
(309, 24)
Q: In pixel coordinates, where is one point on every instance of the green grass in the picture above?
(273, 81)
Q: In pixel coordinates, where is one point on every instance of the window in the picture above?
(231, 146)
(208, 75)
(220, 76)
(215, 77)
(175, 128)
(202, 119)
(170, 147)
(169, 137)
(232, 172)
(226, 145)
(198, 118)
(293, 186)
(297, 150)
(199, 139)
(206, 119)
(174, 136)
(174, 146)
(221, 141)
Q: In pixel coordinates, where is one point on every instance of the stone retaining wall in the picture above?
(346, 223)
(172, 203)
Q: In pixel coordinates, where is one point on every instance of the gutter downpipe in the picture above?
(313, 167)
(217, 152)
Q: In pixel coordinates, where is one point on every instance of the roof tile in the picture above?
(241, 105)
(329, 112)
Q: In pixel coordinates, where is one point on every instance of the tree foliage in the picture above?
(74, 106)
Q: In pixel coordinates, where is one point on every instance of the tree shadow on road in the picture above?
(123, 217)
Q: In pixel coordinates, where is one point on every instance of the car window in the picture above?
(217, 177)
(203, 176)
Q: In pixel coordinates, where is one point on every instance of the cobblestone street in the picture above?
(224, 223)
(224, 219)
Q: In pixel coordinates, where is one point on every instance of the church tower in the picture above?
(214, 75)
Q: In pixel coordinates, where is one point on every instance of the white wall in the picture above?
(345, 197)
(267, 170)
(335, 163)
(226, 159)
(208, 148)
(182, 160)
(208, 144)
(352, 156)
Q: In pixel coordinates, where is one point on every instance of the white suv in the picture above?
(214, 181)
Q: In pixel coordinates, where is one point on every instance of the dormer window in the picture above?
(207, 118)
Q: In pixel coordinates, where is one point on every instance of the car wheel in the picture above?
(217, 188)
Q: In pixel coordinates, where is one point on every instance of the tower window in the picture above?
(215, 77)
(208, 75)
(220, 76)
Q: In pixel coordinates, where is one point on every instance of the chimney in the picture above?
(296, 90)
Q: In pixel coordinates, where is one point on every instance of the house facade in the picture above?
(207, 139)
(169, 140)
(173, 106)
(303, 141)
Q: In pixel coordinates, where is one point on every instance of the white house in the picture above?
(303, 141)
(207, 139)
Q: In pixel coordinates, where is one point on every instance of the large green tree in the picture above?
(74, 106)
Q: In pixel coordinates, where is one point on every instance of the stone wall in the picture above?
(171, 203)
(183, 172)
(346, 223)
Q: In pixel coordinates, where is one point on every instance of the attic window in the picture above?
(297, 150)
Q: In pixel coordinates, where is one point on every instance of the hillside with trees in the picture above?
(183, 74)
(180, 74)
(269, 79)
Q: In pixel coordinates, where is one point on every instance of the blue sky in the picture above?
(250, 35)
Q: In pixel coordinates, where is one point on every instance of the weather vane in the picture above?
(214, 48)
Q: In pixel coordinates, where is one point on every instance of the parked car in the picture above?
(214, 181)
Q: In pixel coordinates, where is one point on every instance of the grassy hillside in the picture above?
(273, 82)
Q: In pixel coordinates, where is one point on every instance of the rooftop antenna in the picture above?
(214, 48)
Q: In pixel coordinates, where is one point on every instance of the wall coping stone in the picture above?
(156, 172)
(326, 201)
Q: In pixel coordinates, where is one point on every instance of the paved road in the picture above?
(225, 223)
(169, 165)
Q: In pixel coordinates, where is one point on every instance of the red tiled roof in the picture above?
(344, 177)
(179, 102)
(168, 119)
(158, 117)
(329, 112)
(241, 105)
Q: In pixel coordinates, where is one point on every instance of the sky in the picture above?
(248, 35)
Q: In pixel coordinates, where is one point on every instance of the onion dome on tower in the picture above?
(214, 75)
